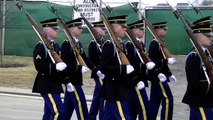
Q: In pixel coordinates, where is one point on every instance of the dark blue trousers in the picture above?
(53, 107)
(97, 101)
(200, 113)
(161, 94)
(75, 100)
(117, 110)
(139, 104)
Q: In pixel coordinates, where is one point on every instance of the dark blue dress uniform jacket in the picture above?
(199, 93)
(140, 68)
(69, 57)
(94, 55)
(155, 54)
(48, 79)
(115, 84)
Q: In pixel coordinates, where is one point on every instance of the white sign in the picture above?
(88, 9)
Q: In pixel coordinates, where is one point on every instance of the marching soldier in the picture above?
(95, 57)
(160, 90)
(116, 88)
(199, 92)
(75, 97)
(138, 29)
(47, 81)
(140, 98)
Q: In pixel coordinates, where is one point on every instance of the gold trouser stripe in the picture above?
(141, 103)
(54, 106)
(101, 82)
(79, 104)
(167, 101)
(120, 110)
(202, 113)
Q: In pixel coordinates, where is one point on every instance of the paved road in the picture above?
(29, 107)
(22, 107)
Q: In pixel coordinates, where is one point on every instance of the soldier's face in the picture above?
(203, 39)
(76, 31)
(161, 32)
(119, 30)
(51, 32)
(139, 33)
(100, 31)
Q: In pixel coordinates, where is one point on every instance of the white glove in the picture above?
(84, 69)
(172, 78)
(70, 87)
(150, 65)
(161, 77)
(60, 66)
(140, 85)
(129, 69)
(100, 75)
(171, 61)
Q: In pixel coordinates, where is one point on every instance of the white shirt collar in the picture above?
(76, 39)
(139, 39)
(204, 49)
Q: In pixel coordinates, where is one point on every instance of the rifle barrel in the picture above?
(69, 36)
(53, 54)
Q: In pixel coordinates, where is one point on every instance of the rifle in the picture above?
(91, 29)
(178, 13)
(208, 65)
(164, 50)
(142, 55)
(80, 60)
(210, 48)
(109, 8)
(122, 57)
(53, 55)
(195, 8)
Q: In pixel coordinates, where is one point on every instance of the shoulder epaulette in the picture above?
(107, 42)
(92, 41)
(128, 42)
(40, 42)
(66, 40)
(155, 40)
(193, 52)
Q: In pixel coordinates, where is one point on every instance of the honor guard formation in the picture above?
(121, 70)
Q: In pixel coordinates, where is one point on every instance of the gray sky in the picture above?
(144, 2)
(151, 2)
